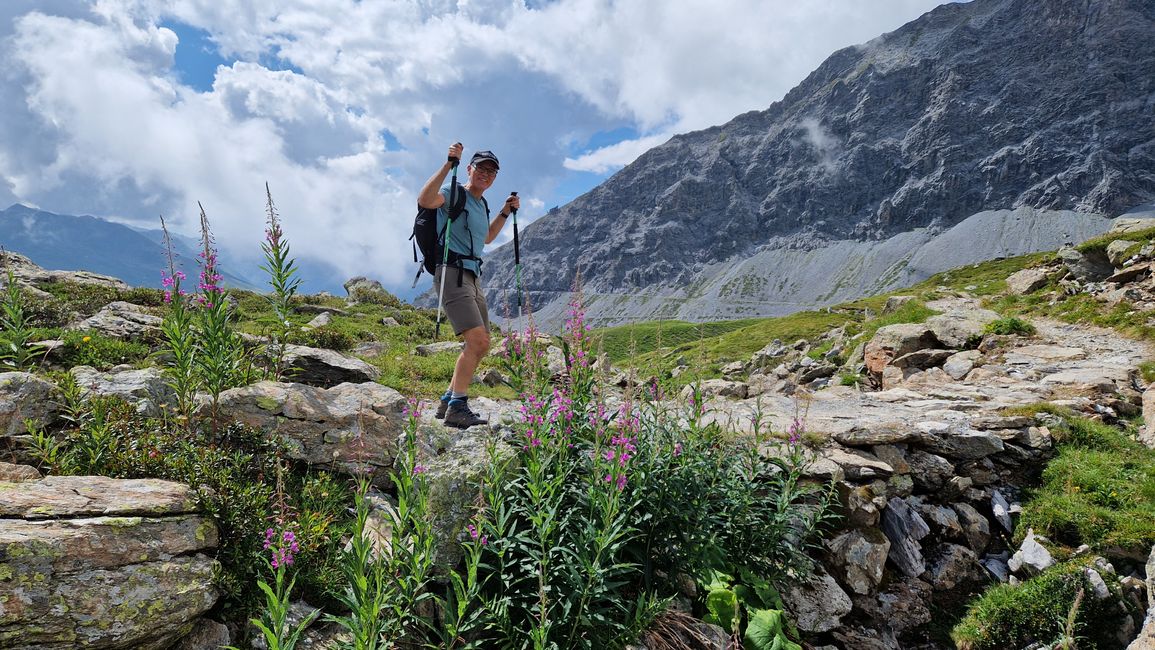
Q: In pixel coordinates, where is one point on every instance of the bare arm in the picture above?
(430, 197)
(495, 226)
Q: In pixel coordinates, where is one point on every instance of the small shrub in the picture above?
(1010, 326)
(326, 337)
(83, 348)
(373, 297)
(1037, 611)
(1147, 372)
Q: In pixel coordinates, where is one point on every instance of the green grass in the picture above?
(1099, 490)
(1037, 610)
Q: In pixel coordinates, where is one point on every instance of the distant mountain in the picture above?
(76, 243)
(988, 128)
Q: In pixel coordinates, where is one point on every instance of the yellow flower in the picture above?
(86, 339)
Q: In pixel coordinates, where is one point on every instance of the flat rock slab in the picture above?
(88, 496)
(1031, 354)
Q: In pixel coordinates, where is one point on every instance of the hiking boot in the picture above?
(458, 415)
(442, 405)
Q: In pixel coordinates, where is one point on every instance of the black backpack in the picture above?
(431, 242)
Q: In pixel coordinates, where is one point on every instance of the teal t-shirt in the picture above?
(473, 222)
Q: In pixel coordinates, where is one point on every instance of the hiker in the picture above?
(464, 302)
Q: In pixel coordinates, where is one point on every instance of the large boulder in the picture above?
(346, 427)
(91, 561)
(1089, 266)
(145, 387)
(24, 396)
(956, 329)
(326, 368)
(122, 320)
(1026, 281)
(893, 341)
(904, 528)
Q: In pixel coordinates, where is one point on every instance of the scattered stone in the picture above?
(344, 427)
(1089, 266)
(955, 566)
(894, 303)
(320, 320)
(958, 329)
(1032, 557)
(13, 473)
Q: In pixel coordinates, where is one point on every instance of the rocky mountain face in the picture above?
(995, 127)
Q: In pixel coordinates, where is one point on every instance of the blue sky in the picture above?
(130, 109)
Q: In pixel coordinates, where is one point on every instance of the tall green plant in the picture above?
(284, 281)
(179, 351)
(220, 358)
(18, 350)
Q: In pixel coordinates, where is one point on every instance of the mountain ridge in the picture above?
(989, 105)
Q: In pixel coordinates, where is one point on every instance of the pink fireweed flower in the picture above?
(418, 470)
(677, 449)
(795, 431)
(621, 482)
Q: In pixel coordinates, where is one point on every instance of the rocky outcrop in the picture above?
(99, 562)
(145, 387)
(347, 427)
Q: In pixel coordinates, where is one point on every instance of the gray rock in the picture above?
(1026, 281)
(1002, 511)
(1147, 431)
(146, 388)
(320, 320)
(922, 359)
(716, 388)
(206, 635)
(13, 473)
(876, 433)
(976, 528)
(894, 303)
(325, 368)
(370, 349)
(998, 568)
(956, 329)
(1032, 557)
(955, 566)
(858, 558)
(389, 321)
(958, 365)
(929, 471)
(361, 284)
(1090, 266)
(904, 528)
(960, 443)
(1119, 251)
(816, 602)
(24, 396)
(122, 320)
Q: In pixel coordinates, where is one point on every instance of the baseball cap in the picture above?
(482, 156)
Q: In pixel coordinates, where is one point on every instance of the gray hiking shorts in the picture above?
(465, 305)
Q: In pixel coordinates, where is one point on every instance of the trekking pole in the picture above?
(516, 256)
(445, 257)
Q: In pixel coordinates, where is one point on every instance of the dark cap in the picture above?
(482, 156)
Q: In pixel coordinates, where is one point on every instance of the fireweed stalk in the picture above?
(282, 271)
(220, 356)
(179, 339)
(19, 349)
(412, 550)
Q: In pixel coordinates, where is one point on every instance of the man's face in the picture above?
(482, 174)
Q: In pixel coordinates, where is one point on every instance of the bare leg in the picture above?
(476, 347)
